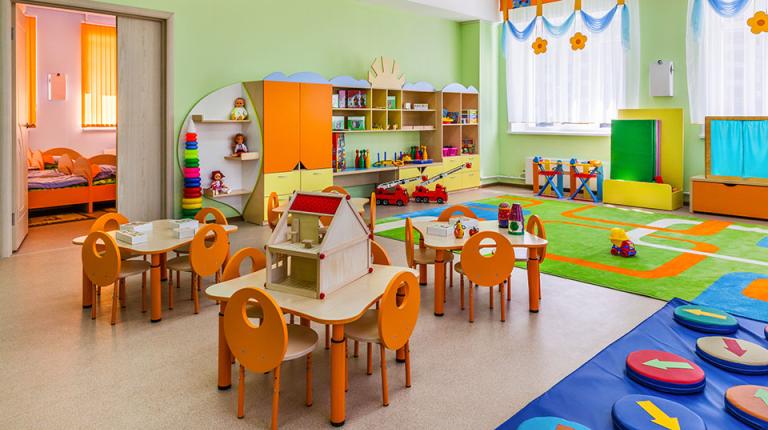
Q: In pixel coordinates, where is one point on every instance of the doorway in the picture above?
(130, 134)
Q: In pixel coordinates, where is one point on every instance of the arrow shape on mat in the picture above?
(733, 346)
(762, 394)
(659, 417)
(666, 365)
(563, 427)
(699, 312)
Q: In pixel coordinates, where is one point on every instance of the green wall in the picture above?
(662, 30)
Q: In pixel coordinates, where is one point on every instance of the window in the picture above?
(563, 89)
(32, 69)
(99, 80)
(727, 63)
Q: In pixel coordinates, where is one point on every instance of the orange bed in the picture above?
(73, 163)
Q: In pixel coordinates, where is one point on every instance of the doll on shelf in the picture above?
(238, 145)
(238, 112)
(217, 184)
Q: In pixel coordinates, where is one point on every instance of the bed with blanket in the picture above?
(62, 177)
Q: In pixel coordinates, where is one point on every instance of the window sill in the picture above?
(87, 129)
(561, 132)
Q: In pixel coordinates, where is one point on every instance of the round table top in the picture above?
(357, 203)
(450, 242)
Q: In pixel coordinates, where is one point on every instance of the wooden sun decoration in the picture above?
(385, 74)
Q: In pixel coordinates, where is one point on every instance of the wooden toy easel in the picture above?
(582, 172)
(553, 177)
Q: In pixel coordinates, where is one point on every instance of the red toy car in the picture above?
(396, 195)
(627, 249)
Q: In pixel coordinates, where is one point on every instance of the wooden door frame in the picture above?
(8, 108)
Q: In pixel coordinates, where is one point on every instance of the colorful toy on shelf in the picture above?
(217, 184)
(552, 175)
(339, 162)
(467, 146)
(516, 226)
(505, 211)
(582, 172)
(192, 201)
(238, 112)
(451, 117)
(239, 145)
(458, 230)
(621, 244)
(422, 194)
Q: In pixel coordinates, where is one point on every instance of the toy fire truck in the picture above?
(422, 194)
(393, 193)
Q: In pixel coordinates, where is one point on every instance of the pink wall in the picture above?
(58, 51)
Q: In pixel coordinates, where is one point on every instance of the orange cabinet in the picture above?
(281, 119)
(729, 198)
(315, 126)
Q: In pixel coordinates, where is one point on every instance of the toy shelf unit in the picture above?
(736, 168)
(302, 261)
(458, 136)
(378, 110)
(210, 119)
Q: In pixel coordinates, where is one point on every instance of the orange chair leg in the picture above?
(178, 279)
(369, 370)
(451, 272)
(407, 365)
(461, 285)
(241, 393)
(471, 303)
(195, 295)
(327, 336)
(309, 379)
(115, 298)
(93, 301)
(170, 277)
(192, 286)
(502, 305)
(122, 293)
(275, 397)
(346, 368)
(170, 294)
(509, 288)
(384, 390)
(490, 290)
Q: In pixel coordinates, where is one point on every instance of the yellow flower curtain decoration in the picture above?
(579, 38)
(759, 22)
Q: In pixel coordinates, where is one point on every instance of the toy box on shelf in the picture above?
(300, 261)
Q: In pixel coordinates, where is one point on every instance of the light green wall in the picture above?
(662, 30)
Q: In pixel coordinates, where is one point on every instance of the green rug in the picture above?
(716, 263)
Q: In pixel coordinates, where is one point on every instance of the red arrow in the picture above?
(734, 346)
(563, 427)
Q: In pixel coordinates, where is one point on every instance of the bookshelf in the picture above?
(385, 110)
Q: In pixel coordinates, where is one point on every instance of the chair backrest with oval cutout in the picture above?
(487, 270)
(108, 222)
(101, 258)
(218, 216)
(232, 269)
(335, 189)
(272, 216)
(262, 348)
(207, 256)
(380, 256)
(409, 242)
(397, 321)
(456, 210)
(536, 227)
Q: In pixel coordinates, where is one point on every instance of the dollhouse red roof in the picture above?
(323, 205)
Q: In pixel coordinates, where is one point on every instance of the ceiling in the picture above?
(456, 10)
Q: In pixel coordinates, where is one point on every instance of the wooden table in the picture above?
(357, 202)
(160, 242)
(443, 244)
(341, 307)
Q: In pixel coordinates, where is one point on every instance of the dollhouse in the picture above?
(303, 259)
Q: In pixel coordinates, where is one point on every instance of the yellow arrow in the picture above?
(659, 417)
(701, 313)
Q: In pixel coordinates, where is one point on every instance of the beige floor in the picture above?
(61, 370)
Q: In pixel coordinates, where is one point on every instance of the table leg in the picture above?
(225, 356)
(534, 279)
(154, 292)
(338, 376)
(87, 299)
(163, 266)
(439, 281)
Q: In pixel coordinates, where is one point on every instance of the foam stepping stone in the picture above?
(748, 403)
(735, 355)
(706, 319)
(665, 371)
(550, 423)
(641, 412)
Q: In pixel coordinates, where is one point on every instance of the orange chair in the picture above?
(415, 257)
(372, 217)
(206, 257)
(202, 218)
(232, 271)
(380, 256)
(335, 189)
(391, 325)
(110, 222)
(486, 270)
(265, 347)
(272, 216)
(103, 266)
(445, 215)
(535, 227)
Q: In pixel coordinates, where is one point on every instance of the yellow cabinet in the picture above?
(470, 178)
(316, 180)
(282, 183)
(474, 160)
(431, 172)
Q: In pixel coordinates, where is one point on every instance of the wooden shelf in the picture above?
(200, 120)
(383, 131)
(233, 193)
(384, 169)
(236, 158)
(418, 110)
(351, 109)
(453, 125)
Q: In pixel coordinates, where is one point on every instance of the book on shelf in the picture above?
(138, 226)
(131, 237)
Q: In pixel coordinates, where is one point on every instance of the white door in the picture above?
(141, 141)
(21, 123)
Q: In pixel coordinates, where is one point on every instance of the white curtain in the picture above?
(572, 86)
(727, 63)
